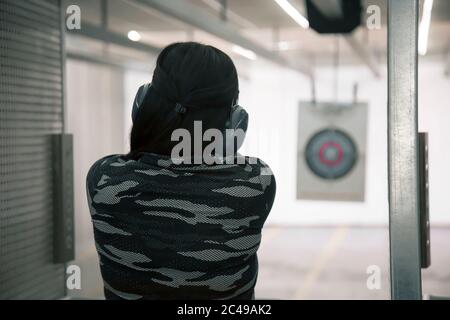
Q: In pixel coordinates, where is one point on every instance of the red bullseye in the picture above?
(331, 154)
(325, 148)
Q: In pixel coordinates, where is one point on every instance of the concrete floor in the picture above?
(331, 263)
(319, 263)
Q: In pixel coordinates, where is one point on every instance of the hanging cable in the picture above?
(336, 69)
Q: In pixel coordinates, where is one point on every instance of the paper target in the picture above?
(331, 154)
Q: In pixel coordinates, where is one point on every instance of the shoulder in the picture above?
(257, 167)
(257, 182)
(257, 171)
(102, 165)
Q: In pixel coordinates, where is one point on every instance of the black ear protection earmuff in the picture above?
(238, 118)
(139, 99)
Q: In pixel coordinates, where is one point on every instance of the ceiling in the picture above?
(264, 22)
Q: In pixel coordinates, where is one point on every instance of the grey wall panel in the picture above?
(31, 108)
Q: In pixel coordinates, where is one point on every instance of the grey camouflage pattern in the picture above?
(166, 231)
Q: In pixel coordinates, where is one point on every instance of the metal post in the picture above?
(403, 150)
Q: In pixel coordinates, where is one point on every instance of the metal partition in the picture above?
(403, 150)
(31, 109)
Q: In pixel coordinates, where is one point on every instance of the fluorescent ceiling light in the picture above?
(133, 35)
(244, 52)
(424, 27)
(293, 13)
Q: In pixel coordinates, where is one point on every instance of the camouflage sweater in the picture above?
(166, 231)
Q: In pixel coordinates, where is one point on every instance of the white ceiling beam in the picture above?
(231, 16)
(366, 56)
(198, 18)
(107, 60)
(101, 34)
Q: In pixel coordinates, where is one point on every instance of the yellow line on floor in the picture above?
(321, 261)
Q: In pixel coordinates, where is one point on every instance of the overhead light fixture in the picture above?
(424, 27)
(244, 52)
(133, 35)
(293, 13)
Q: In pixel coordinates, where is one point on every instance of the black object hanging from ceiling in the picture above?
(346, 22)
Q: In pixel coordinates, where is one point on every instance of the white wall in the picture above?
(434, 118)
(271, 95)
(94, 115)
(99, 100)
(132, 81)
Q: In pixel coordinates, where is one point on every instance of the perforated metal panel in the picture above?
(31, 108)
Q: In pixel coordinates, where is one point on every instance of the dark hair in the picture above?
(200, 78)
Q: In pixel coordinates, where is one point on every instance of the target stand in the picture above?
(331, 151)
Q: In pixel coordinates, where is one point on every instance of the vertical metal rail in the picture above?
(62, 14)
(403, 159)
